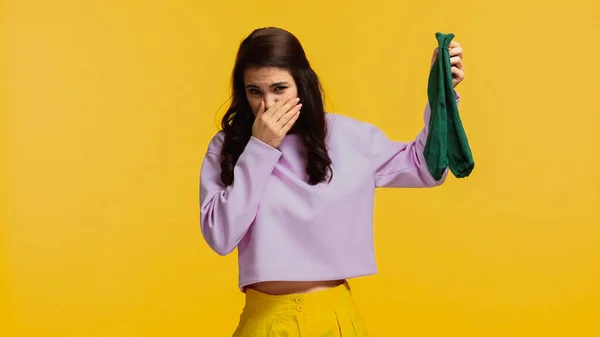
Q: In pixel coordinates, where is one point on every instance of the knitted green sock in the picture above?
(447, 144)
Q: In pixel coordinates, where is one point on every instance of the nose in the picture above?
(270, 99)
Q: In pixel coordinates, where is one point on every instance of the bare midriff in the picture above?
(293, 287)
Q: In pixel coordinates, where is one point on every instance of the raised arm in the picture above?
(400, 164)
(226, 212)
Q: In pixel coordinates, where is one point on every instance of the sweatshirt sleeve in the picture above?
(226, 212)
(400, 164)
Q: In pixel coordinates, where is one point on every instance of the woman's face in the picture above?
(269, 85)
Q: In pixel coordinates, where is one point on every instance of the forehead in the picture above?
(266, 76)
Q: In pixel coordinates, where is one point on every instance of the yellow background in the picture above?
(107, 108)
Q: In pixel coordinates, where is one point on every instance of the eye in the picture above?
(280, 88)
(253, 91)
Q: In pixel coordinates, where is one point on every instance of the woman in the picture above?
(292, 188)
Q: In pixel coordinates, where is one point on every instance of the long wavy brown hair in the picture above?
(276, 48)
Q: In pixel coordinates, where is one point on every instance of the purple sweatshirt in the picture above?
(288, 230)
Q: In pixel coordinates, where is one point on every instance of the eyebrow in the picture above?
(276, 84)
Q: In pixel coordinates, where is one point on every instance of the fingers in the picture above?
(454, 44)
(289, 115)
(457, 61)
(277, 105)
(456, 72)
(457, 75)
(276, 121)
(261, 108)
(285, 108)
(455, 51)
(292, 119)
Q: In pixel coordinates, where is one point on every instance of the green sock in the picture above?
(447, 144)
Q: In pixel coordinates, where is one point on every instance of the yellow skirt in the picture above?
(325, 313)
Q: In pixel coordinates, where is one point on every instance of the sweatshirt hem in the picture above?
(302, 274)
